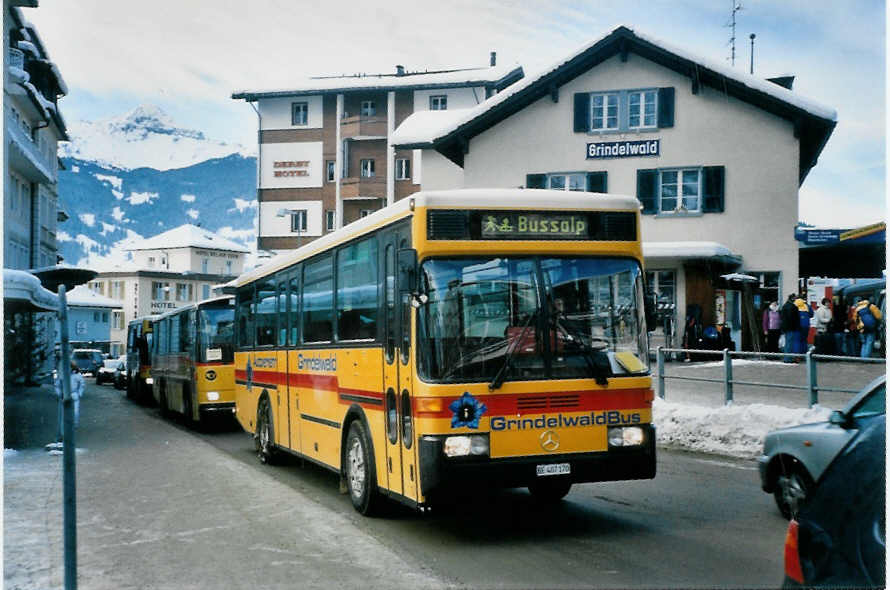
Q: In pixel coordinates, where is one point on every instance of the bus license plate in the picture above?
(554, 469)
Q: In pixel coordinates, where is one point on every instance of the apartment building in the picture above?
(716, 157)
(168, 271)
(325, 158)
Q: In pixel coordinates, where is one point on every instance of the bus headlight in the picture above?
(149, 381)
(212, 396)
(463, 445)
(626, 436)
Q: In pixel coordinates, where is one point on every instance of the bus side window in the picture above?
(390, 302)
(405, 324)
(283, 312)
(294, 307)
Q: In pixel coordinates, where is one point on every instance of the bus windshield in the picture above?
(216, 334)
(531, 317)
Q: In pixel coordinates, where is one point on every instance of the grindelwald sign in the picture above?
(623, 149)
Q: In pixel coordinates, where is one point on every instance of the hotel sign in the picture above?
(623, 149)
(291, 168)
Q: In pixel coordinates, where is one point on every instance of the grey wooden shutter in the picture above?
(596, 182)
(713, 189)
(582, 112)
(666, 107)
(535, 181)
(647, 187)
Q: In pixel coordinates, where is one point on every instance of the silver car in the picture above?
(794, 458)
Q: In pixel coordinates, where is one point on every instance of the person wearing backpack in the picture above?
(789, 317)
(867, 317)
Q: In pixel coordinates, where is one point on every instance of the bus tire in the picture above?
(130, 393)
(162, 401)
(550, 491)
(361, 480)
(187, 412)
(264, 437)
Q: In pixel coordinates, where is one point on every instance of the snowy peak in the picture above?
(148, 119)
(146, 137)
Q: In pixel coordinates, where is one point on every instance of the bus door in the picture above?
(292, 322)
(283, 395)
(401, 470)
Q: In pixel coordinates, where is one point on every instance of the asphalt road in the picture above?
(163, 506)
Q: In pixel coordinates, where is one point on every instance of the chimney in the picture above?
(400, 70)
(493, 59)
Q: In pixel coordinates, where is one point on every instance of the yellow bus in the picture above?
(139, 340)
(192, 360)
(455, 340)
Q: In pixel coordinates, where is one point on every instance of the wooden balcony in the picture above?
(356, 187)
(363, 127)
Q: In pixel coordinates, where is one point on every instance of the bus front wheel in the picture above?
(550, 490)
(264, 437)
(360, 476)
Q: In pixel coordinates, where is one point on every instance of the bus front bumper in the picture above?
(439, 473)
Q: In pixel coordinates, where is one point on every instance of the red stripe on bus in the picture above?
(310, 381)
(548, 403)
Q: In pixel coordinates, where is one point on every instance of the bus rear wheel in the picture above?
(550, 490)
(264, 436)
(358, 470)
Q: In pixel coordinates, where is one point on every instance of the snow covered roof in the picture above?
(22, 290)
(83, 296)
(687, 250)
(186, 236)
(495, 76)
(449, 135)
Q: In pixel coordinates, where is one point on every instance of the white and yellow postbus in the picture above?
(192, 360)
(455, 340)
(139, 345)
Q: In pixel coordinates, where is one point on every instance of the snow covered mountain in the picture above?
(144, 137)
(140, 174)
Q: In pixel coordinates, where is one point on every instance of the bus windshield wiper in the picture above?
(499, 377)
(599, 366)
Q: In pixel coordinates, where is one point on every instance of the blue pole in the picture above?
(69, 490)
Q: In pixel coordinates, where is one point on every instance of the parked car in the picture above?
(106, 372)
(838, 538)
(88, 360)
(120, 374)
(795, 458)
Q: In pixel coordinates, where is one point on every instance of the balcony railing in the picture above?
(15, 58)
(355, 187)
(363, 127)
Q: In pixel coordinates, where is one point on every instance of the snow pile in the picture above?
(736, 430)
(144, 137)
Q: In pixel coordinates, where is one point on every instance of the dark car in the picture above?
(839, 537)
(88, 360)
(795, 458)
(106, 372)
(120, 374)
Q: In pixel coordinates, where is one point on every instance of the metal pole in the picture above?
(727, 381)
(659, 355)
(811, 378)
(69, 491)
(752, 52)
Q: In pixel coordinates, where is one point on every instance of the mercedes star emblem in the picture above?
(549, 440)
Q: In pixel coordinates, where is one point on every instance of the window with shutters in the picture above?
(616, 111)
(641, 108)
(594, 182)
(680, 191)
(567, 182)
(604, 111)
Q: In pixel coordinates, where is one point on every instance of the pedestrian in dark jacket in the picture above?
(790, 318)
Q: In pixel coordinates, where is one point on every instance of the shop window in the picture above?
(439, 102)
(403, 169)
(369, 108)
(367, 168)
(299, 113)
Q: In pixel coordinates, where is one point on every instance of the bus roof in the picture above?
(202, 303)
(474, 198)
(142, 318)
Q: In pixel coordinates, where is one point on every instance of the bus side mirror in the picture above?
(407, 270)
(651, 318)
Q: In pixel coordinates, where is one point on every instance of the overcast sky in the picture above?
(188, 56)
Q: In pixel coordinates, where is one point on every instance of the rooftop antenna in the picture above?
(736, 6)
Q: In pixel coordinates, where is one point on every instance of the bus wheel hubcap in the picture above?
(356, 468)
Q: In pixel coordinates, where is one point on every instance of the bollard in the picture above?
(811, 378)
(727, 379)
(659, 355)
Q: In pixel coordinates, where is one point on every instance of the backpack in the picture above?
(867, 318)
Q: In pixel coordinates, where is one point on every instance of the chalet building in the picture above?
(715, 156)
(32, 128)
(168, 271)
(325, 158)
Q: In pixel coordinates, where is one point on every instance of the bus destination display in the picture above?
(535, 226)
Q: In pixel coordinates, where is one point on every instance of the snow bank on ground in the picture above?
(735, 430)
(9, 453)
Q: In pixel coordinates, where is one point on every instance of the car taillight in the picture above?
(792, 556)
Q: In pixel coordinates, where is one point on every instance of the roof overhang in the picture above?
(654, 252)
(22, 292)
